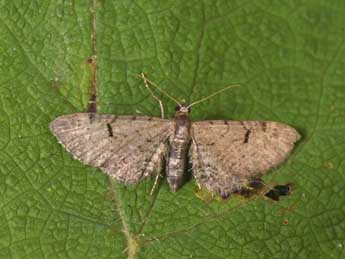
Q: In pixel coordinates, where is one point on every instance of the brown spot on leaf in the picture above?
(329, 165)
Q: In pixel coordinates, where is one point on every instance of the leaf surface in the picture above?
(288, 57)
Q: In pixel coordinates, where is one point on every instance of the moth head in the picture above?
(182, 109)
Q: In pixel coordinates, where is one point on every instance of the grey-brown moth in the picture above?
(226, 155)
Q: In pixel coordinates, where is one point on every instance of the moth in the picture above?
(225, 155)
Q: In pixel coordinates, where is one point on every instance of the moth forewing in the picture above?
(128, 148)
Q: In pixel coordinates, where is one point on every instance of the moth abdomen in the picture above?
(176, 162)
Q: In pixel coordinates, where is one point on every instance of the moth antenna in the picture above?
(211, 95)
(153, 95)
(147, 82)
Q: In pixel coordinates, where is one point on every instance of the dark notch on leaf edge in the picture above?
(110, 130)
(279, 190)
(256, 185)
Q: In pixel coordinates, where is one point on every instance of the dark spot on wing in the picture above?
(264, 126)
(134, 118)
(224, 194)
(246, 136)
(110, 130)
(226, 122)
(211, 122)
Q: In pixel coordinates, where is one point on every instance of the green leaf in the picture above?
(288, 57)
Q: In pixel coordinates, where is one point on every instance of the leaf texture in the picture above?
(288, 57)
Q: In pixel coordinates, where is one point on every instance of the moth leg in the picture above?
(194, 160)
(153, 95)
(159, 175)
(157, 164)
